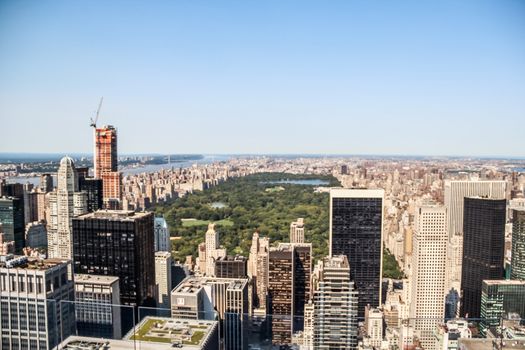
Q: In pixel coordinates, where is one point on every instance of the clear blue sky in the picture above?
(352, 77)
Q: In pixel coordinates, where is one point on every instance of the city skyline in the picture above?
(419, 79)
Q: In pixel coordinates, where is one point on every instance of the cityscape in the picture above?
(112, 239)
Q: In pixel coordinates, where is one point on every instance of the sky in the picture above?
(221, 77)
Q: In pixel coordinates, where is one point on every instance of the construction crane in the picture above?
(94, 122)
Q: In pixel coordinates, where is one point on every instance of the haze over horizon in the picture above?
(404, 78)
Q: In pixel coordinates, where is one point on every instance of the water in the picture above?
(35, 180)
(309, 182)
(217, 205)
(186, 164)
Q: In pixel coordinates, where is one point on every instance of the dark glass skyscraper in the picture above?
(93, 188)
(483, 249)
(356, 221)
(117, 243)
(12, 220)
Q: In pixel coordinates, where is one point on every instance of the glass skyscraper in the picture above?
(356, 221)
(483, 249)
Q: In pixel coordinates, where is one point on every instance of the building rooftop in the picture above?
(192, 284)
(504, 282)
(30, 263)
(172, 331)
(490, 344)
(121, 215)
(232, 258)
(97, 279)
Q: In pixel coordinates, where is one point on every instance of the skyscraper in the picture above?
(65, 203)
(258, 269)
(106, 165)
(12, 220)
(517, 271)
(335, 305)
(162, 235)
(212, 249)
(427, 301)
(483, 249)
(97, 306)
(455, 192)
(94, 191)
(356, 223)
(289, 288)
(163, 262)
(117, 243)
(36, 308)
(297, 231)
(498, 299)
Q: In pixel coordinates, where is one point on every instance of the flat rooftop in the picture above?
(172, 330)
(504, 282)
(488, 344)
(114, 215)
(30, 263)
(192, 284)
(95, 279)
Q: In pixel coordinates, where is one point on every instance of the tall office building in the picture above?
(213, 251)
(12, 220)
(289, 288)
(455, 192)
(163, 262)
(46, 183)
(231, 267)
(374, 326)
(335, 305)
(483, 249)
(97, 306)
(162, 235)
(356, 224)
(36, 307)
(517, 264)
(427, 301)
(498, 299)
(297, 231)
(106, 165)
(258, 269)
(94, 191)
(36, 235)
(208, 297)
(65, 203)
(117, 243)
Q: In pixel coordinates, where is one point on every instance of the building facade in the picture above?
(483, 249)
(65, 203)
(162, 235)
(97, 306)
(163, 263)
(12, 220)
(117, 243)
(335, 322)
(36, 302)
(297, 231)
(517, 264)
(106, 166)
(499, 298)
(356, 225)
(427, 300)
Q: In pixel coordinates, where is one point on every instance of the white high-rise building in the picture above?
(162, 235)
(455, 193)
(258, 269)
(374, 326)
(163, 279)
(65, 203)
(335, 305)
(297, 231)
(427, 301)
(37, 302)
(97, 305)
(212, 249)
